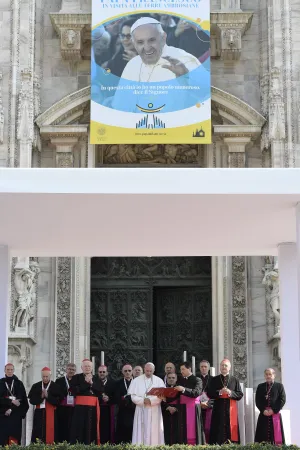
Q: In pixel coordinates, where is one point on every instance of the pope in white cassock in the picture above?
(156, 61)
(148, 428)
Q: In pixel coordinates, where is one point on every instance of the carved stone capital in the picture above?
(64, 139)
(72, 30)
(228, 27)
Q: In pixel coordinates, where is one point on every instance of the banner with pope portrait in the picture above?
(150, 72)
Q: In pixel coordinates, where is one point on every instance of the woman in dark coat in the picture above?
(270, 399)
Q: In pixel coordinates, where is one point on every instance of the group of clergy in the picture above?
(140, 408)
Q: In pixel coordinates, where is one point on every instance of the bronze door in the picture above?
(150, 309)
(121, 326)
(183, 323)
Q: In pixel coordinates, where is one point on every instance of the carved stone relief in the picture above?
(25, 285)
(271, 282)
(239, 318)
(228, 27)
(151, 267)
(63, 313)
(24, 282)
(151, 154)
(64, 159)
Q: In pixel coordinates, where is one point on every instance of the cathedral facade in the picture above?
(61, 307)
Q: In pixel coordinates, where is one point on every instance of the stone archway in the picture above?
(226, 110)
(231, 118)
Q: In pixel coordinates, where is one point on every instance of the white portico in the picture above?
(128, 203)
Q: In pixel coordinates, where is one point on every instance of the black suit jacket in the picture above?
(192, 385)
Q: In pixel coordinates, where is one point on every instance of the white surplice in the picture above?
(148, 427)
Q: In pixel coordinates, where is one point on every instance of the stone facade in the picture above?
(44, 115)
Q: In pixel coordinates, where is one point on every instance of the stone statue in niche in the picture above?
(24, 281)
(271, 281)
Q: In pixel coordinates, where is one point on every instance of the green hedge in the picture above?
(66, 446)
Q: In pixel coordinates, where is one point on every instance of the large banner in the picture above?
(150, 72)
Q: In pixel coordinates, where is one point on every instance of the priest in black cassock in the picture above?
(66, 408)
(13, 407)
(270, 399)
(174, 415)
(126, 407)
(45, 396)
(190, 391)
(107, 406)
(85, 427)
(225, 389)
(205, 403)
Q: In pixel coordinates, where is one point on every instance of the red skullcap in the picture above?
(46, 369)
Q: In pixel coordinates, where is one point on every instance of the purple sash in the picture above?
(277, 429)
(190, 417)
(208, 415)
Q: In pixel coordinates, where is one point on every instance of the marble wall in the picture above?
(5, 71)
(43, 351)
(261, 357)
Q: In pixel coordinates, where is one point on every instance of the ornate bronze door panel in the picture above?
(121, 326)
(183, 322)
(150, 309)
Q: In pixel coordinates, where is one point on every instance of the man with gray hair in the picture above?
(156, 61)
(148, 428)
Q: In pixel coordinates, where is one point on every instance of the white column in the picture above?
(289, 330)
(4, 304)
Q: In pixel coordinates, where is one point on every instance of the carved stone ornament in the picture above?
(73, 30)
(25, 279)
(63, 313)
(276, 107)
(239, 317)
(271, 282)
(152, 154)
(228, 27)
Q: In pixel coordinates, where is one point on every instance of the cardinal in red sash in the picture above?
(45, 396)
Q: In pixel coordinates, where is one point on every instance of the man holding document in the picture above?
(148, 428)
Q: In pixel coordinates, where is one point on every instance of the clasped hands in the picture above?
(105, 398)
(225, 390)
(89, 379)
(15, 403)
(268, 412)
(147, 402)
(44, 393)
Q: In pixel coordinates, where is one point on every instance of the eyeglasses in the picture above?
(127, 370)
(104, 371)
(125, 36)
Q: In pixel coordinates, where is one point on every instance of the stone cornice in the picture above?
(63, 131)
(237, 131)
